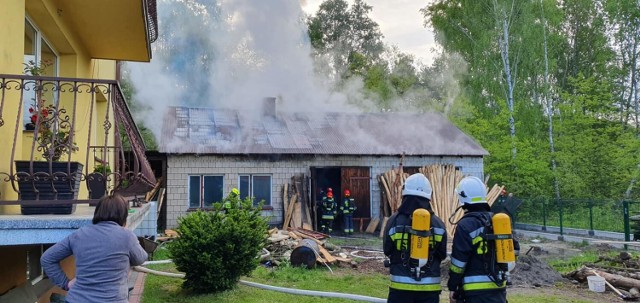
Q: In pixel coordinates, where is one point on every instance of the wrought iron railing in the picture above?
(66, 121)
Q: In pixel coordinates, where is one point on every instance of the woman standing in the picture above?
(104, 253)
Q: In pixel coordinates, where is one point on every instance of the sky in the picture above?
(401, 23)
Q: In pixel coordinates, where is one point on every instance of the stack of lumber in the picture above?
(297, 210)
(156, 194)
(494, 193)
(391, 183)
(444, 178)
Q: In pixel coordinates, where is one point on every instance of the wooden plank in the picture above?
(373, 224)
(345, 260)
(152, 193)
(327, 255)
(294, 236)
(289, 212)
(285, 200)
(161, 199)
(296, 217)
(301, 235)
(384, 226)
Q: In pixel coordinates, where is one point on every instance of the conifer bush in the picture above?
(217, 247)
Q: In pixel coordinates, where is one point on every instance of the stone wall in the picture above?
(281, 169)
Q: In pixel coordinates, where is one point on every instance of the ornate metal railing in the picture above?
(72, 127)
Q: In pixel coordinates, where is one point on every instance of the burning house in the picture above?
(211, 151)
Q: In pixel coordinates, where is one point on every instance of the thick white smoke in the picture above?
(233, 53)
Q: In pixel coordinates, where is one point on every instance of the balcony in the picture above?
(59, 136)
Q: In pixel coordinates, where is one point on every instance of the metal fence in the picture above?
(589, 214)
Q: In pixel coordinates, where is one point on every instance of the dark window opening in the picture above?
(256, 186)
(205, 190)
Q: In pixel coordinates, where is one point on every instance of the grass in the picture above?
(343, 280)
(564, 266)
(365, 242)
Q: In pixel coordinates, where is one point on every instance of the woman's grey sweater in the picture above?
(104, 253)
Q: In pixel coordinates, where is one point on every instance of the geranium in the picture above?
(44, 113)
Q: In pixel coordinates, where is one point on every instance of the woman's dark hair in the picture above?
(111, 208)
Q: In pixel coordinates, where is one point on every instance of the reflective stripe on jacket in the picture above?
(471, 254)
(397, 242)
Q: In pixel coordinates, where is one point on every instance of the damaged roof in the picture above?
(223, 131)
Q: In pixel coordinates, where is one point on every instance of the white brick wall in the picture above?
(281, 171)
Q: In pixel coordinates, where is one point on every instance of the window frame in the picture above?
(38, 41)
(201, 178)
(250, 194)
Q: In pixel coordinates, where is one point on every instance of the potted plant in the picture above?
(49, 179)
(97, 181)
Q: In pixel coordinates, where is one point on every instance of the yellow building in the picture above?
(63, 117)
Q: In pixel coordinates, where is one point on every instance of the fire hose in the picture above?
(293, 291)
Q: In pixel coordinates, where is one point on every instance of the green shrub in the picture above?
(216, 248)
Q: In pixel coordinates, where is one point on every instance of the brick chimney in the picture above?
(269, 107)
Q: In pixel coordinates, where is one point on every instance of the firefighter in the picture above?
(479, 268)
(415, 253)
(347, 208)
(328, 212)
(226, 206)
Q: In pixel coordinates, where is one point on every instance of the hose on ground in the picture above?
(293, 291)
(314, 293)
(158, 273)
(355, 254)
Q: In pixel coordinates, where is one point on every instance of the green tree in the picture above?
(344, 33)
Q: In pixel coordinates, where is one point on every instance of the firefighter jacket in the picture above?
(473, 258)
(348, 206)
(328, 208)
(397, 243)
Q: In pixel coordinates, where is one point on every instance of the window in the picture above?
(256, 186)
(39, 52)
(205, 190)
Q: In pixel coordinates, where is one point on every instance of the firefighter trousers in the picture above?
(347, 223)
(487, 297)
(407, 296)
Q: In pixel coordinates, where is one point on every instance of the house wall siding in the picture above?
(179, 167)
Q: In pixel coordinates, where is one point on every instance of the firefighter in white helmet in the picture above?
(415, 243)
(478, 267)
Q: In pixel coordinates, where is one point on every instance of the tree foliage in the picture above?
(569, 71)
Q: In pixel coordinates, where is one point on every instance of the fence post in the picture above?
(627, 228)
(561, 237)
(591, 232)
(544, 215)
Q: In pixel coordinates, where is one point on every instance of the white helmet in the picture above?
(471, 190)
(417, 185)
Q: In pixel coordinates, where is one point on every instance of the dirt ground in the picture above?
(532, 274)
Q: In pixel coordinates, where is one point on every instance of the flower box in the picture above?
(67, 186)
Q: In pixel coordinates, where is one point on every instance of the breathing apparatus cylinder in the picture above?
(420, 238)
(505, 252)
